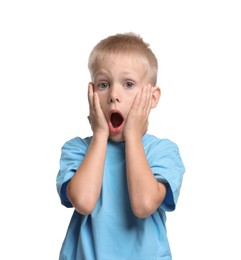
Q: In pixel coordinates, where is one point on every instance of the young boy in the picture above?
(120, 180)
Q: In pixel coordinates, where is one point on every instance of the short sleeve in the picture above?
(167, 166)
(72, 154)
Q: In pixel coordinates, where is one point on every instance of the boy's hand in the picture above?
(137, 120)
(96, 116)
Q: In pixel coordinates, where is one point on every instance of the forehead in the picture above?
(121, 66)
(122, 61)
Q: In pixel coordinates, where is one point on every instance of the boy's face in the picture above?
(117, 80)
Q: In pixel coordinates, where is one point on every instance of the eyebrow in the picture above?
(122, 74)
(100, 72)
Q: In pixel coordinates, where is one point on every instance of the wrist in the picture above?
(100, 135)
(132, 138)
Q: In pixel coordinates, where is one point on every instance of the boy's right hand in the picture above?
(96, 116)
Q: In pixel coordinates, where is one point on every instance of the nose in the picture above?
(114, 100)
(114, 96)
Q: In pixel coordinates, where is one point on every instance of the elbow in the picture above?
(141, 214)
(84, 204)
(84, 207)
(143, 209)
(84, 210)
(146, 204)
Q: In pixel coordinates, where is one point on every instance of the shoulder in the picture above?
(77, 142)
(164, 149)
(151, 141)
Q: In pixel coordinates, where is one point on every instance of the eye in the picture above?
(129, 84)
(103, 85)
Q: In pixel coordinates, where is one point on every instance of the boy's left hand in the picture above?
(137, 120)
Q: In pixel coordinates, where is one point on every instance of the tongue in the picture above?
(116, 120)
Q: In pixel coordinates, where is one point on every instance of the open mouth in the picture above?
(116, 120)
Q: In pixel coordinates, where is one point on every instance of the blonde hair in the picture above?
(126, 43)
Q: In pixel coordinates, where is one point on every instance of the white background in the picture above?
(44, 49)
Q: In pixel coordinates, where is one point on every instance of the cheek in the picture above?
(132, 96)
(129, 101)
(103, 104)
(102, 96)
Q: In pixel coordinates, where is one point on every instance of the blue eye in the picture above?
(103, 85)
(129, 84)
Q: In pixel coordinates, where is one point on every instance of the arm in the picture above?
(146, 193)
(84, 188)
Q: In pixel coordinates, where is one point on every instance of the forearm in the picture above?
(146, 193)
(85, 186)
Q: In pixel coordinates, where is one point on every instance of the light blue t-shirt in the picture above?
(112, 231)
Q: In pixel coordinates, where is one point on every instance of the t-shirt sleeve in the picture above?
(167, 166)
(72, 154)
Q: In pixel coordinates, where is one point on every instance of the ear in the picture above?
(156, 94)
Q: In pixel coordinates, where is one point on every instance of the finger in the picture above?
(150, 95)
(137, 101)
(96, 102)
(146, 98)
(90, 94)
(146, 95)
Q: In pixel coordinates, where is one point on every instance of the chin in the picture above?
(117, 138)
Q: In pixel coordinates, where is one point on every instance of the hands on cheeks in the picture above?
(137, 120)
(96, 116)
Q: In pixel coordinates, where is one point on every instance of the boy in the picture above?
(121, 180)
